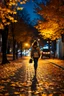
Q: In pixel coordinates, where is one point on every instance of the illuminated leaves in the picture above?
(16, 92)
(50, 79)
(53, 25)
(1, 87)
(9, 69)
(8, 10)
(49, 30)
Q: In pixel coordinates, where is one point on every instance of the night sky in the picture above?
(30, 9)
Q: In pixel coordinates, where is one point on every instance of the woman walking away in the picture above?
(35, 54)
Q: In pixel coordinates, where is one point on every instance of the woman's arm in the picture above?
(31, 54)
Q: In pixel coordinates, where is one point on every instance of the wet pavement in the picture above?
(18, 78)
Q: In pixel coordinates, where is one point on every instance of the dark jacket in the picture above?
(35, 52)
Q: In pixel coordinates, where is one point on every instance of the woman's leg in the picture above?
(35, 64)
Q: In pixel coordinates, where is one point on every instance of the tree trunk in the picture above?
(8, 48)
(4, 45)
(14, 48)
(21, 48)
(13, 38)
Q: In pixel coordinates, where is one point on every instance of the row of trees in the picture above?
(10, 28)
(8, 11)
(53, 25)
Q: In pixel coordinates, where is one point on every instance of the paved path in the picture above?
(48, 82)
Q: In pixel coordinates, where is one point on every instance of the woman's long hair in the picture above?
(35, 44)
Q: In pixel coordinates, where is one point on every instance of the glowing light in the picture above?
(7, 13)
(26, 44)
(1, 26)
(19, 8)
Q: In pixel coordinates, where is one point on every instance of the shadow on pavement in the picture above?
(34, 83)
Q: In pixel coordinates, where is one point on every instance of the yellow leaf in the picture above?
(16, 92)
(13, 85)
(6, 94)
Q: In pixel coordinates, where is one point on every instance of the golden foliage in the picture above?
(9, 70)
(53, 13)
(8, 10)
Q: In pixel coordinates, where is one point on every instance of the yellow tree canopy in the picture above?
(53, 13)
(49, 30)
(8, 9)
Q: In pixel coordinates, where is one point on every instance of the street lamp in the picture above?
(38, 39)
(26, 47)
(26, 44)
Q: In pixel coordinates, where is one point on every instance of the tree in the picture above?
(7, 13)
(53, 13)
(22, 33)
